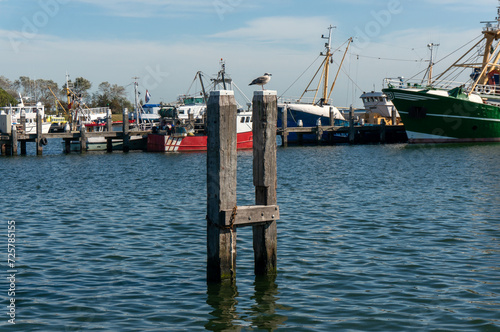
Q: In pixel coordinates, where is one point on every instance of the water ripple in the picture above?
(371, 238)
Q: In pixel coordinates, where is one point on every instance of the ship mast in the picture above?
(428, 73)
(136, 96)
(328, 55)
(491, 56)
(491, 33)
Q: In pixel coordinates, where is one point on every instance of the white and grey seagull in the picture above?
(261, 80)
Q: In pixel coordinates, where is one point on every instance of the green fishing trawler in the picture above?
(441, 111)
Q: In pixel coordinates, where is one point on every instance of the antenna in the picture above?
(431, 63)
(328, 45)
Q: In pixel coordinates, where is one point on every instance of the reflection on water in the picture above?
(223, 298)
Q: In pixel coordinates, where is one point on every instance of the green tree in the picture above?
(80, 87)
(8, 86)
(112, 96)
(43, 94)
(6, 99)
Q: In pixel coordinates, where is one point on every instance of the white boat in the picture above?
(378, 107)
(150, 113)
(30, 112)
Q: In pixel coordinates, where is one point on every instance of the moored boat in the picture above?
(319, 110)
(184, 126)
(445, 112)
(29, 111)
(379, 108)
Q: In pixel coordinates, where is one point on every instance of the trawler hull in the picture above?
(431, 118)
(173, 143)
(304, 115)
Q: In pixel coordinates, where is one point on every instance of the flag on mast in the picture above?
(148, 96)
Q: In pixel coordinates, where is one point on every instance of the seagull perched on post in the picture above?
(261, 80)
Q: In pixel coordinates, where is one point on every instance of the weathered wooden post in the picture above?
(126, 137)
(352, 131)
(265, 178)
(394, 119)
(332, 124)
(319, 133)
(284, 127)
(223, 215)
(39, 146)
(67, 145)
(23, 121)
(332, 117)
(109, 128)
(109, 120)
(382, 131)
(83, 138)
(14, 140)
(221, 185)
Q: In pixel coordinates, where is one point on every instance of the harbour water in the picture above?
(371, 238)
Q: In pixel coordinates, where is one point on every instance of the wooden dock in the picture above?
(9, 141)
(352, 134)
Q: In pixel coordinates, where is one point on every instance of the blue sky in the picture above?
(166, 42)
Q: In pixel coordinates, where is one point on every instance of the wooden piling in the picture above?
(23, 147)
(67, 145)
(109, 127)
(319, 134)
(23, 121)
(352, 131)
(109, 145)
(14, 140)
(39, 146)
(284, 127)
(221, 185)
(332, 124)
(109, 121)
(223, 215)
(382, 131)
(126, 136)
(83, 138)
(393, 116)
(265, 178)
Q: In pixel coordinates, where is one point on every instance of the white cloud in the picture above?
(465, 5)
(163, 8)
(302, 30)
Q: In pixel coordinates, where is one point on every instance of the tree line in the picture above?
(39, 90)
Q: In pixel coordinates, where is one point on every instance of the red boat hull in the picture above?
(167, 143)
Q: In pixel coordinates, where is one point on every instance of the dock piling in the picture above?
(265, 178)
(126, 136)
(14, 140)
(284, 124)
(109, 121)
(83, 138)
(382, 131)
(221, 185)
(352, 131)
(67, 145)
(223, 214)
(38, 140)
